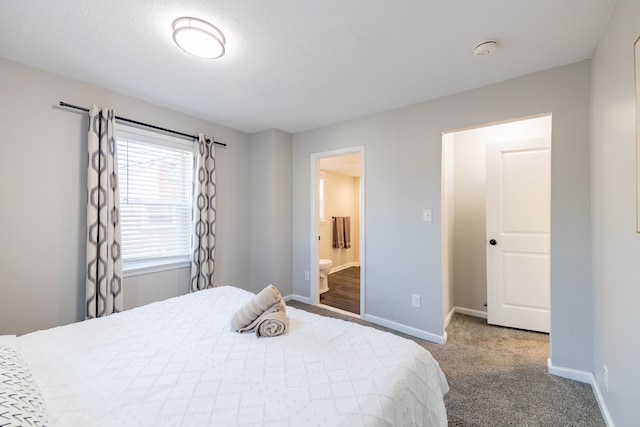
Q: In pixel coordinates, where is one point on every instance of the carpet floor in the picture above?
(498, 376)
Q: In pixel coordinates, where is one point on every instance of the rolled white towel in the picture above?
(272, 324)
(279, 307)
(268, 300)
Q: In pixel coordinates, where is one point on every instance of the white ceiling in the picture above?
(345, 164)
(298, 64)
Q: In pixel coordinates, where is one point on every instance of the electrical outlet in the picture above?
(415, 301)
(306, 275)
(606, 378)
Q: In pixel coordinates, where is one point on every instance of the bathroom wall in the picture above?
(342, 198)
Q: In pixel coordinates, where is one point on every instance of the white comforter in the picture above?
(177, 363)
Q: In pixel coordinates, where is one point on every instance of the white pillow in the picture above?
(21, 400)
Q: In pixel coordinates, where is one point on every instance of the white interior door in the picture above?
(518, 223)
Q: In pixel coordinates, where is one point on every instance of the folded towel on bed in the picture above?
(272, 324)
(280, 306)
(248, 317)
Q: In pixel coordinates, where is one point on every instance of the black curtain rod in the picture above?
(135, 122)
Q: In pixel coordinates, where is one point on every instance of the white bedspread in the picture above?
(177, 363)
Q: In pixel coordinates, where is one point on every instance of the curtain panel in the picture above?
(203, 243)
(104, 262)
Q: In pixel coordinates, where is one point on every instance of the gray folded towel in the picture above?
(254, 312)
(279, 306)
(272, 324)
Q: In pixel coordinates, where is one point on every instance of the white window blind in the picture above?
(155, 198)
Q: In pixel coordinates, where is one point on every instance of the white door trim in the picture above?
(447, 180)
(315, 220)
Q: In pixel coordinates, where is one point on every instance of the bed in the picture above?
(177, 363)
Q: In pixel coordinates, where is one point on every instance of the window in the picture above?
(155, 199)
(321, 195)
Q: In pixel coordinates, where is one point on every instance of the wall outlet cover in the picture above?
(415, 301)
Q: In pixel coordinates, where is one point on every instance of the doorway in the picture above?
(337, 224)
(470, 270)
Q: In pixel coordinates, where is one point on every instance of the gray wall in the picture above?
(447, 220)
(469, 229)
(271, 210)
(615, 243)
(43, 190)
(403, 176)
(43, 280)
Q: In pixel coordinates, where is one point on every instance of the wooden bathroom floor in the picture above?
(344, 290)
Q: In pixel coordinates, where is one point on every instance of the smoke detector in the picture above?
(485, 48)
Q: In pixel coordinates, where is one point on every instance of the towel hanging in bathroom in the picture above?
(341, 232)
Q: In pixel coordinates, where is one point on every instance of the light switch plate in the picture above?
(415, 301)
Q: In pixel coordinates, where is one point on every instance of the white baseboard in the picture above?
(438, 339)
(338, 310)
(470, 312)
(585, 377)
(572, 374)
(344, 266)
(601, 403)
(305, 300)
(447, 319)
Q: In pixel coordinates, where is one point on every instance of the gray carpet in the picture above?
(498, 377)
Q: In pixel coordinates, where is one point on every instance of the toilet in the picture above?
(325, 268)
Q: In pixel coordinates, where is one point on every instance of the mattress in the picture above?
(177, 363)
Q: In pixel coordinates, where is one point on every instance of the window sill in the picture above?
(139, 268)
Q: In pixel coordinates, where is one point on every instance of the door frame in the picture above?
(314, 216)
(447, 283)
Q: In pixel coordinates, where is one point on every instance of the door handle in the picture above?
(493, 242)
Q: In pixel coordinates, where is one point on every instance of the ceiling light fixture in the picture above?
(198, 38)
(485, 48)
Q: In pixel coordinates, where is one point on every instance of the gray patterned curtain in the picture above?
(203, 243)
(104, 262)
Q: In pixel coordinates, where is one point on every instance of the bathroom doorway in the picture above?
(338, 228)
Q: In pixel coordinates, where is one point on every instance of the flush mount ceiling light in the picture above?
(198, 38)
(485, 48)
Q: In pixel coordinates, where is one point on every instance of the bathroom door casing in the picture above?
(518, 233)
